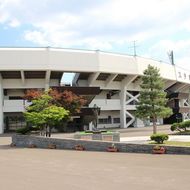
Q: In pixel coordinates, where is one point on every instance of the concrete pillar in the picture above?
(183, 117)
(1, 107)
(90, 126)
(46, 86)
(47, 79)
(123, 107)
(181, 102)
(189, 101)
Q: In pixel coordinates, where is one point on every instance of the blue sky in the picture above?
(157, 26)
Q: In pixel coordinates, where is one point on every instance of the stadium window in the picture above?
(116, 120)
(104, 121)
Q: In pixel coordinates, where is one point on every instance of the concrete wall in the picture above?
(92, 62)
(15, 105)
(15, 92)
(1, 107)
(55, 59)
(42, 142)
(116, 63)
(163, 67)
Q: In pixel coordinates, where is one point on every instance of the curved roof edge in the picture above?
(78, 49)
(85, 50)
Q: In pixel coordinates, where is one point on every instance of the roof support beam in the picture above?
(75, 79)
(92, 78)
(168, 84)
(137, 83)
(22, 77)
(110, 79)
(129, 79)
(185, 87)
(179, 87)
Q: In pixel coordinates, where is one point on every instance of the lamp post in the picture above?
(96, 113)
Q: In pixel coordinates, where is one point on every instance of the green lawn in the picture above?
(173, 143)
(182, 133)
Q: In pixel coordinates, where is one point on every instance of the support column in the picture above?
(123, 94)
(47, 79)
(1, 107)
(188, 102)
(123, 107)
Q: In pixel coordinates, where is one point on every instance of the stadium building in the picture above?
(110, 81)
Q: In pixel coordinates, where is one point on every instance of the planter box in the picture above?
(12, 145)
(52, 146)
(32, 146)
(162, 150)
(79, 147)
(111, 149)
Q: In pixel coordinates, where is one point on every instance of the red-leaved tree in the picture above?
(32, 94)
(67, 99)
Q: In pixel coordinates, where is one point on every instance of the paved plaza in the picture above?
(129, 132)
(43, 169)
(137, 135)
(146, 139)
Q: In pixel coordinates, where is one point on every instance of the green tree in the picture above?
(152, 99)
(42, 114)
(52, 115)
(33, 114)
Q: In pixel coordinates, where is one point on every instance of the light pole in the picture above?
(96, 113)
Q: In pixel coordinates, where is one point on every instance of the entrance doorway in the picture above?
(13, 121)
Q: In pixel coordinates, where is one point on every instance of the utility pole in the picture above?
(134, 48)
(171, 57)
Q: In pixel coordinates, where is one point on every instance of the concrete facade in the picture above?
(118, 77)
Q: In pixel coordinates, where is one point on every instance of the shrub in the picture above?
(182, 126)
(23, 130)
(159, 137)
(175, 127)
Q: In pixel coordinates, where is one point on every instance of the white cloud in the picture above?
(36, 37)
(102, 24)
(14, 23)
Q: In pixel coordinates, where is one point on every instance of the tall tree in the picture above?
(152, 100)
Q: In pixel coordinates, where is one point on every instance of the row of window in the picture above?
(108, 120)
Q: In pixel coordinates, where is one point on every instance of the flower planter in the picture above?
(159, 150)
(12, 145)
(79, 147)
(32, 146)
(52, 146)
(112, 149)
